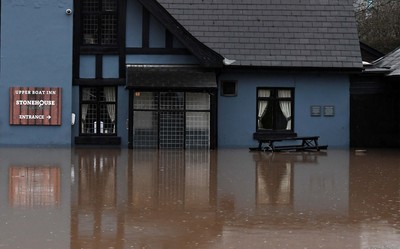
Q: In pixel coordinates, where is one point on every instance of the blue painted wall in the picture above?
(324, 90)
(123, 114)
(133, 24)
(75, 110)
(36, 52)
(87, 66)
(237, 115)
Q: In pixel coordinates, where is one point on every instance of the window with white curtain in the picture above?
(98, 110)
(275, 109)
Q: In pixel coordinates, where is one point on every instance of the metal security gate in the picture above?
(171, 120)
(171, 130)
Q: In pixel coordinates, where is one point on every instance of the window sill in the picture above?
(98, 140)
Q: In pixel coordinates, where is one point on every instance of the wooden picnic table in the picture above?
(306, 143)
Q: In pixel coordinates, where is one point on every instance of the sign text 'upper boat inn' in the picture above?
(35, 106)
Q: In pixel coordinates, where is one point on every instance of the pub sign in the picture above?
(35, 105)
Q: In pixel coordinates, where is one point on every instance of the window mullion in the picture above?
(98, 102)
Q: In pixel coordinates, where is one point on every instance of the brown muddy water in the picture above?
(172, 199)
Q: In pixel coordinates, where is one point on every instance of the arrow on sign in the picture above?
(48, 117)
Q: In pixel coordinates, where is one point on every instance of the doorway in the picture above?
(171, 119)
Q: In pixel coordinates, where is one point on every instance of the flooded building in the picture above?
(174, 74)
(375, 106)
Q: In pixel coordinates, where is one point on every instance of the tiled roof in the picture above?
(390, 61)
(281, 33)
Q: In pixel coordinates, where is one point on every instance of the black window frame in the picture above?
(229, 88)
(274, 99)
(100, 15)
(98, 102)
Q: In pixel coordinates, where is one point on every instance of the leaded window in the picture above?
(98, 111)
(99, 22)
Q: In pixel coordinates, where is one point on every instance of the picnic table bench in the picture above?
(307, 143)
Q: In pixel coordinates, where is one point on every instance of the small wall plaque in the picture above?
(329, 111)
(315, 111)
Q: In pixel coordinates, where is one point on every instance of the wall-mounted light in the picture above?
(72, 118)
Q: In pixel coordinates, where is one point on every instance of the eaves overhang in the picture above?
(170, 77)
(285, 69)
(383, 71)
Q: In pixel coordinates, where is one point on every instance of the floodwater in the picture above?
(174, 199)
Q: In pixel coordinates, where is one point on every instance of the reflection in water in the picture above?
(34, 186)
(169, 179)
(228, 199)
(232, 198)
(375, 197)
(94, 214)
(35, 198)
(162, 189)
(274, 180)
